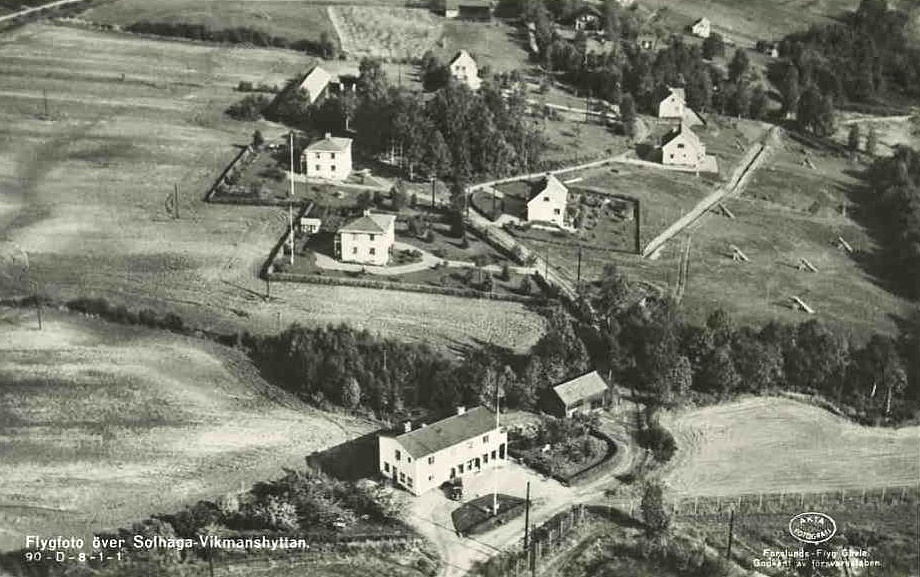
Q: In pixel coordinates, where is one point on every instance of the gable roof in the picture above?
(329, 144)
(315, 81)
(457, 4)
(461, 55)
(702, 20)
(580, 388)
(370, 223)
(679, 93)
(588, 9)
(447, 432)
(688, 135)
(549, 184)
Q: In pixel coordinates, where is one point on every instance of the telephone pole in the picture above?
(176, 200)
(578, 281)
(291, 203)
(731, 531)
(527, 519)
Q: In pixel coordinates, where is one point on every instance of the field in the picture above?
(789, 211)
(746, 21)
(794, 447)
(85, 192)
(294, 21)
(105, 424)
(392, 33)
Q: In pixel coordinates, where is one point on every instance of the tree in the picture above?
(398, 196)
(257, 139)
(674, 382)
(791, 90)
(351, 393)
(816, 112)
(613, 291)
(713, 46)
(327, 46)
(759, 101)
(437, 156)
(853, 137)
(654, 513)
(739, 66)
(719, 374)
(740, 102)
(628, 114)
(872, 141)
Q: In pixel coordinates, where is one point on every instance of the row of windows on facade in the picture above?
(461, 468)
(320, 155)
(371, 250)
(332, 168)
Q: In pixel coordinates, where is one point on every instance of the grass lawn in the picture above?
(496, 44)
(444, 245)
(84, 193)
(387, 32)
(98, 417)
(474, 517)
(572, 141)
(294, 21)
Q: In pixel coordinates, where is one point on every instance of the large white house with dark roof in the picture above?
(327, 158)
(423, 458)
(366, 240)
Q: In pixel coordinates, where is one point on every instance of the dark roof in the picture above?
(447, 432)
(580, 388)
(370, 223)
(457, 4)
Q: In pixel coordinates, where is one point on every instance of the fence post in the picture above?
(760, 503)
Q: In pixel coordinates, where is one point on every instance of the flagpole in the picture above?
(495, 465)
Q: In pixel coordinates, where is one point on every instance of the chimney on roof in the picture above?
(407, 426)
(461, 410)
(328, 135)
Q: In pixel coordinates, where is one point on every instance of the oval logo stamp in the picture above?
(812, 527)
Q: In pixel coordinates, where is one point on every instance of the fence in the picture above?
(545, 540)
(244, 155)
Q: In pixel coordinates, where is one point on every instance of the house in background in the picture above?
(467, 9)
(647, 41)
(588, 18)
(548, 201)
(309, 225)
(673, 107)
(582, 394)
(329, 158)
(315, 84)
(463, 68)
(682, 147)
(366, 240)
(701, 28)
(422, 459)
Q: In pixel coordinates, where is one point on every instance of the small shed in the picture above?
(310, 225)
(586, 393)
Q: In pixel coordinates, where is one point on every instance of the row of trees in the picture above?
(895, 202)
(358, 370)
(669, 359)
(325, 46)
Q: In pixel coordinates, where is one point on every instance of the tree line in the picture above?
(895, 203)
(668, 359)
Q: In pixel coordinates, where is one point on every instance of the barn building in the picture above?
(315, 84)
(423, 458)
(682, 147)
(582, 394)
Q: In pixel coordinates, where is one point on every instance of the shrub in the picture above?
(658, 440)
(250, 107)
(244, 86)
(525, 288)
(148, 317)
(506, 273)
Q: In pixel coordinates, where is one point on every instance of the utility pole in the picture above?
(291, 202)
(497, 427)
(731, 530)
(578, 282)
(527, 518)
(45, 98)
(176, 200)
(38, 304)
(433, 181)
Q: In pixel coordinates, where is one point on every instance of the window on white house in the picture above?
(408, 458)
(333, 168)
(431, 477)
(317, 168)
(431, 460)
(485, 438)
(371, 237)
(318, 156)
(680, 145)
(409, 481)
(373, 250)
(402, 477)
(398, 455)
(386, 467)
(332, 155)
(545, 199)
(556, 211)
(354, 250)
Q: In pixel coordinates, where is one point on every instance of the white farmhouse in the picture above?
(315, 84)
(683, 147)
(366, 240)
(464, 69)
(548, 202)
(424, 458)
(328, 158)
(672, 106)
(702, 28)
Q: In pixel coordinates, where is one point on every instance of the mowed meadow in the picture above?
(775, 444)
(84, 192)
(102, 425)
